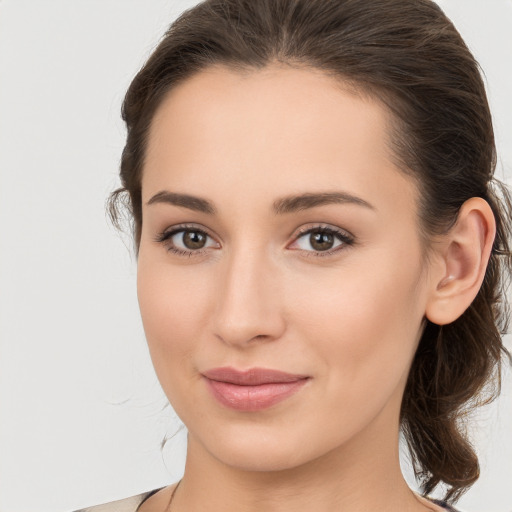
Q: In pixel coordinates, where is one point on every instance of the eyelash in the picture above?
(342, 236)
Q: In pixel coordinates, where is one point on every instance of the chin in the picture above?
(262, 449)
(259, 459)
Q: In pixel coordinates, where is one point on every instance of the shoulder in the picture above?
(130, 504)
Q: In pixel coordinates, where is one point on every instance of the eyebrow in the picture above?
(281, 206)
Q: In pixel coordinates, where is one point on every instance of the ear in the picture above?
(462, 257)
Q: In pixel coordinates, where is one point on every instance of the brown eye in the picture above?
(186, 241)
(194, 239)
(321, 241)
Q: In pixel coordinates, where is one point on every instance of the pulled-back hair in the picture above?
(407, 55)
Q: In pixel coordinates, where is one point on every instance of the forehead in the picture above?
(277, 129)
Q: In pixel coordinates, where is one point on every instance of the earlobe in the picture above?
(463, 255)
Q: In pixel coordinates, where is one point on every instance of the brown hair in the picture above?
(408, 55)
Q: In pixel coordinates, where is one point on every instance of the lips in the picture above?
(254, 389)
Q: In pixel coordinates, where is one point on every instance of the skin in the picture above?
(351, 321)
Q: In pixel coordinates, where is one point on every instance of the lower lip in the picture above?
(253, 398)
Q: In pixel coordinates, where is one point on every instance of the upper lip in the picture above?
(251, 377)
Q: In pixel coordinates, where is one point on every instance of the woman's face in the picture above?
(271, 155)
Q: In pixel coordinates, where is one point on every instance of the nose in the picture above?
(249, 306)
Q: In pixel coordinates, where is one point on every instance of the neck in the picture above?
(363, 474)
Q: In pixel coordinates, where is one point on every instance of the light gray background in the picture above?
(82, 414)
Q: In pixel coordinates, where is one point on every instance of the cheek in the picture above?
(170, 305)
(365, 318)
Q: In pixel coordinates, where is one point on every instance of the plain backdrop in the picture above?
(82, 415)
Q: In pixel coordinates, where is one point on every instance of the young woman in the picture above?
(322, 252)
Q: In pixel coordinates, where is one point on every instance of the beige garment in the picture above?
(130, 504)
(134, 502)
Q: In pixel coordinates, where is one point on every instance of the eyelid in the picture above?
(322, 227)
(168, 233)
(345, 237)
